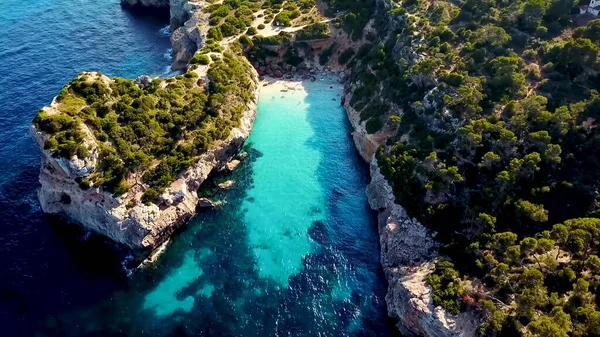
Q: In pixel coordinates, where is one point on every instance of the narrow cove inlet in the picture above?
(292, 252)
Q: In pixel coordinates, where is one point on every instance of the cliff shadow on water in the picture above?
(215, 279)
(160, 12)
(344, 176)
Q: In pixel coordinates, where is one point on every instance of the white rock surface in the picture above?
(408, 253)
(126, 219)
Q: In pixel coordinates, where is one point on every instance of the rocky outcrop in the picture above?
(408, 249)
(408, 253)
(189, 25)
(125, 219)
(188, 22)
(366, 144)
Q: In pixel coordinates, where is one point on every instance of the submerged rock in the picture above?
(205, 203)
(232, 165)
(226, 184)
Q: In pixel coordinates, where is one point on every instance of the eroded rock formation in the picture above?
(125, 219)
(408, 250)
(186, 20)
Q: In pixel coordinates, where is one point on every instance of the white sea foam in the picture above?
(169, 72)
(168, 54)
(165, 31)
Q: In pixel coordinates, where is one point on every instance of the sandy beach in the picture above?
(276, 85)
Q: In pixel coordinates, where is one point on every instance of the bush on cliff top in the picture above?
(497, 150)
(200, 59)
(313, 31)
(156, 130)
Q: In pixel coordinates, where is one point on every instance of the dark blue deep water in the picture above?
(294, 251)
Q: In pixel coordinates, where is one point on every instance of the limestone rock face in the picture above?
(125, 219)
(408, 253)
(189, 25)
(366, 143)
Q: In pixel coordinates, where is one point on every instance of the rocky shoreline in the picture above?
(408, 251)
(141, 228)
(303, 72)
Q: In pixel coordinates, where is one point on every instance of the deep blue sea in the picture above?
(293, 251)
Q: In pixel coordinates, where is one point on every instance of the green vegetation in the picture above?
(200, 59)
(313, 31)
(446, 287)
(234, 17)
(276, 40)
(151, 131)
(495, 106)
(326, 54)
(358, 13)
(345, 56)
(251, 31)
(288, 14)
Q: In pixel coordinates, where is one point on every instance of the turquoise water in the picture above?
(293, 251)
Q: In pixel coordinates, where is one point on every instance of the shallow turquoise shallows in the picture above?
(293, 251)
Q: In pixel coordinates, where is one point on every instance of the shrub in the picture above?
(53, 123)
(84, 184)
(251, 31)
(326, 54)
(279, 39)
(285, 17)
(215, 34)
(71, 105)
(149, 196)
(261, 26)
(373, 125)
(346, 55)
(313, 31)
(200, 59)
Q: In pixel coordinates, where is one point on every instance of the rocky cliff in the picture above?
(408, 251)
(187, 20)
(189, 25)
(125, 219)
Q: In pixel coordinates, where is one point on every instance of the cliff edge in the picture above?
(408, 252)
(126, 219)
(106, 143)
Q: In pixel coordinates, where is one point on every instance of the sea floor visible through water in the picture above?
(293, 251)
